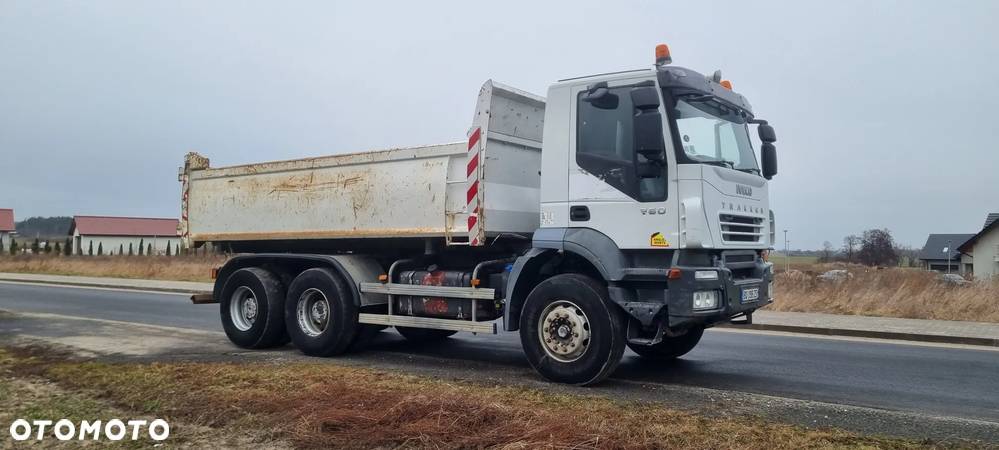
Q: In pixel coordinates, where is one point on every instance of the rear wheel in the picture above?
(670, 348)
(424, 334)
(570, 331)
(252, 308)
(320, 313)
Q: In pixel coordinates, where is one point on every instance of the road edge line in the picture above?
(104, 286)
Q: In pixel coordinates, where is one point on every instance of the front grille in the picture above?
(741, 229)
(741, 263)
(751, 257)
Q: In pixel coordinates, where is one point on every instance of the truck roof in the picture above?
(623, 73)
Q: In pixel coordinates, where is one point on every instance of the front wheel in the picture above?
(670, 348)
(570, 331)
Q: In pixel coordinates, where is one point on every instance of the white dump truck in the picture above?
(625, 209)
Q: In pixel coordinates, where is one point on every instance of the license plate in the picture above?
(750, 294)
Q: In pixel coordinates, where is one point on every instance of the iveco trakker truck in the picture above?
(625, 209)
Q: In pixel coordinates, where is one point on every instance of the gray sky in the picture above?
(886, 112)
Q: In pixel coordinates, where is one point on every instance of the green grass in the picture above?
(794, 261)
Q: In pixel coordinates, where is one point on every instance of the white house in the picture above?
(984, 249)
(6, 227)
(115, 235)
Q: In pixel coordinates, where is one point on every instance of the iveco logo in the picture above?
(743, 190)
(651, 211)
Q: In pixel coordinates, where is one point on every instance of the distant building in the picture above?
(115, 234)
(6, 227)
(934, 257)
(983, 247)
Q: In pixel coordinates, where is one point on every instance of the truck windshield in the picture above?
(712, 133)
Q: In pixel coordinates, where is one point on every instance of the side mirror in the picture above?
(645, 98)
(768, 156)
(600, 96)
(649, 136)
(648, 126)
(767, 133)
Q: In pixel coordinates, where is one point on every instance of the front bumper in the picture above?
(733, 279)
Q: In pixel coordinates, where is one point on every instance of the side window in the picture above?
(605, 147)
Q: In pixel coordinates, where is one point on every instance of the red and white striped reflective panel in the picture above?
(474, 225)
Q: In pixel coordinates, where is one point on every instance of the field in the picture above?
(889, 292)
(793, 261)
(176, 268)
(324, 405)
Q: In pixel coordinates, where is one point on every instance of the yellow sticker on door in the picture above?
(658, 240)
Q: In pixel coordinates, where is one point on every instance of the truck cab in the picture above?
(650, 176)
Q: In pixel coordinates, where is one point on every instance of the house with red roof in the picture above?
(6, 227)
(124, 235)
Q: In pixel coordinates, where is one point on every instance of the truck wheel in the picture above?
(320, 313)
(570, 332)
(252, 308)
(670, 347)
(424, 334)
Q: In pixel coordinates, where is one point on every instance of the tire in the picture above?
(252, 309)
(320, 313)
(424, 334)
(573, 302)
(670, 348)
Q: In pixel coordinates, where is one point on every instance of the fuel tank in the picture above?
(443, 308)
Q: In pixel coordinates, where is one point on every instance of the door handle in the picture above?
(579, 213)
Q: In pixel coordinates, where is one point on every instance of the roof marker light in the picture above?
(662, 55)
(726, 84)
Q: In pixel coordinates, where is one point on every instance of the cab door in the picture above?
(622, 178)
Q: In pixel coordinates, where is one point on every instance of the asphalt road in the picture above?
(935, 380)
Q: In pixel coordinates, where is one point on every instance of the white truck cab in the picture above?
(625, 209)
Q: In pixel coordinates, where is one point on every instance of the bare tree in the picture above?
(877, 248)
(907, 256)
(827, 252)
(850, 244)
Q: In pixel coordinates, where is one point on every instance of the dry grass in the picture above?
(176, 268)
(328, 406)
(888, 292)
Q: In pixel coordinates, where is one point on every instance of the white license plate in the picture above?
(750, 294)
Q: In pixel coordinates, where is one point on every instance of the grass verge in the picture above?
(173, 268)
(886, 292)
(324, 405)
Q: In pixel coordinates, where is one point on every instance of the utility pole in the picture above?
(786, 252)
(947, 256)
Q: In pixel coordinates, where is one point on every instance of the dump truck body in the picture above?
(418, 192)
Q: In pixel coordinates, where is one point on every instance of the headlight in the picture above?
(705, 300)
(706, 275)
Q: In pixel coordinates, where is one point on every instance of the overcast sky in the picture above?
(887, 113)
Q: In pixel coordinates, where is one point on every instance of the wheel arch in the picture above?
(352, 268)
(537, 265)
